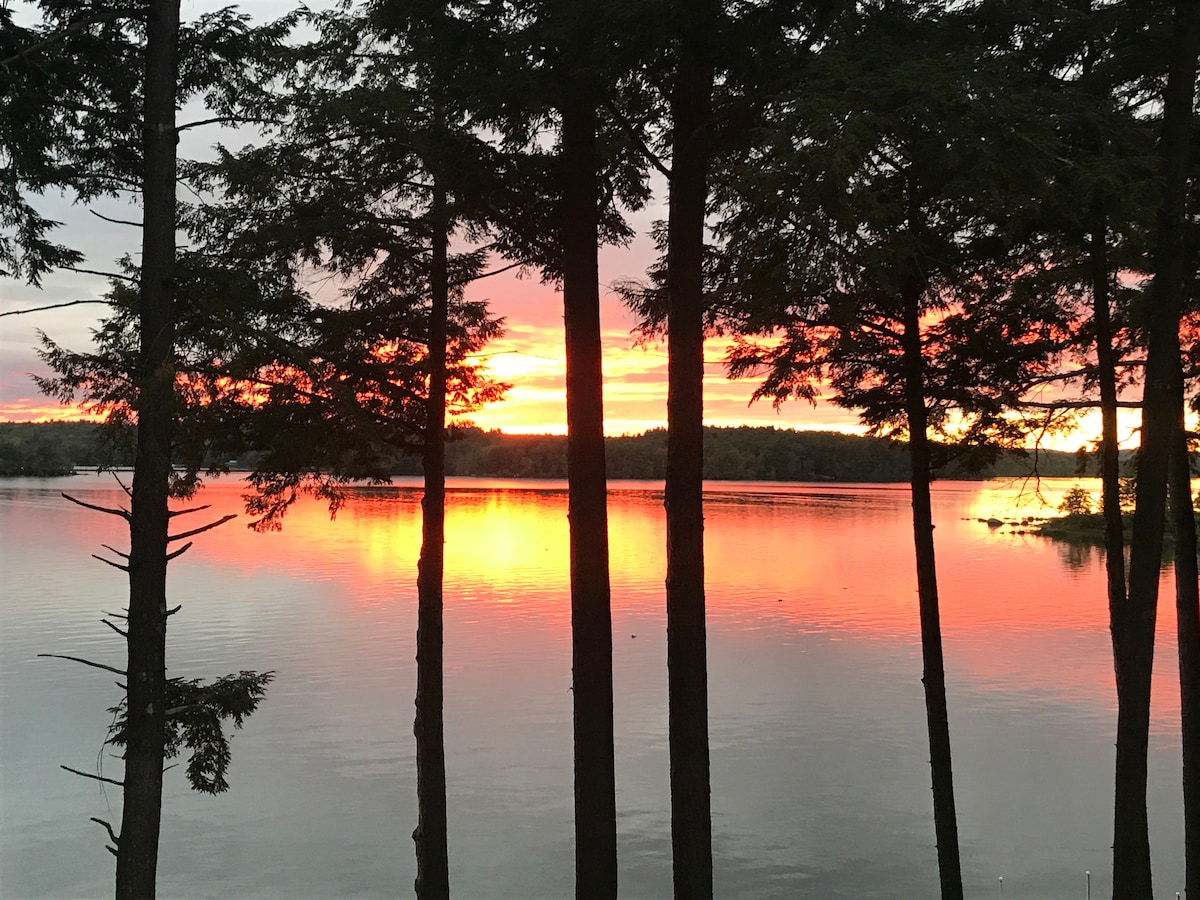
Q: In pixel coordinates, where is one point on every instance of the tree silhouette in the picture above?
(565, 65)
(874, 236)
(92, 98)
(1161, 439)
(690, 104)
(369, 176)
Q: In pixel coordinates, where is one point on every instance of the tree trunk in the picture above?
(1178, 123)
(433, 874)
(141, 814)
(591, 614)
(1162, 400)
(687, 670)
(1110, 460)
(1132, 674)
(945, 820)
(1187, 605)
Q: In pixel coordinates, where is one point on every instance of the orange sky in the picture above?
(529, 356)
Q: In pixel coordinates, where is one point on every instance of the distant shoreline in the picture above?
(744, 453)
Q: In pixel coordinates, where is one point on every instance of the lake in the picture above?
(820, 776)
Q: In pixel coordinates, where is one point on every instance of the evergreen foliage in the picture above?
(196, 715)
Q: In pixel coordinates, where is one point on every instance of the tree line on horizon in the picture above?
(732, 453)
(967, 222)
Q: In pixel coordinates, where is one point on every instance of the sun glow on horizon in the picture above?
(530, 356)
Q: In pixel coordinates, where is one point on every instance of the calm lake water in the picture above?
(819, 754)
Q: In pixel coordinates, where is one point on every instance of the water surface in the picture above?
(819, 754)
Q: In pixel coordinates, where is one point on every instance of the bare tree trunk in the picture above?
(1131, 842)
(433, 873)
(1177, 146)
(1110, 460)
(137, 848)
(1161, 402)
(591, 614)
(687, 667)
(1132, 674)
(1187, 605)
(945, 819)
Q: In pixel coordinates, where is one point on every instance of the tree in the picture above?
(591, 598)
(108, 83)
(1093, 59)
(29, 134)
(564, 64)
(873, 234)
(721, 64)
(1163, 438)
(691, 113)
(145, 728)
(369, 176)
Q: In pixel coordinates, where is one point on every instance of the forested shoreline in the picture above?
(744, 453)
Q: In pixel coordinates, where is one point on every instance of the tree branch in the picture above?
(116, 551)
(627, 127)
(124, 487)
(465, 281)
(94, 778)
(1077, 404)
(99, 19)
(183, 512)
(33, 309)
(201, 529)
(88, 108)
(109, 562)
(86, 662)
(228, 120)
(117, 275)
(182, 550)
(1081, 372)
(115, 221)
(112, 836)
(124, 634)
(878, 329)
(124, 514)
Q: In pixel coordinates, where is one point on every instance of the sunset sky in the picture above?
(529, 356)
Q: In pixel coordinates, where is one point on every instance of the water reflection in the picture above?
(820, 772)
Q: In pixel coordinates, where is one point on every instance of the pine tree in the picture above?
(91, 107)
(564, 64)
(369, 175)
(874, 232)
(1162, 439)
